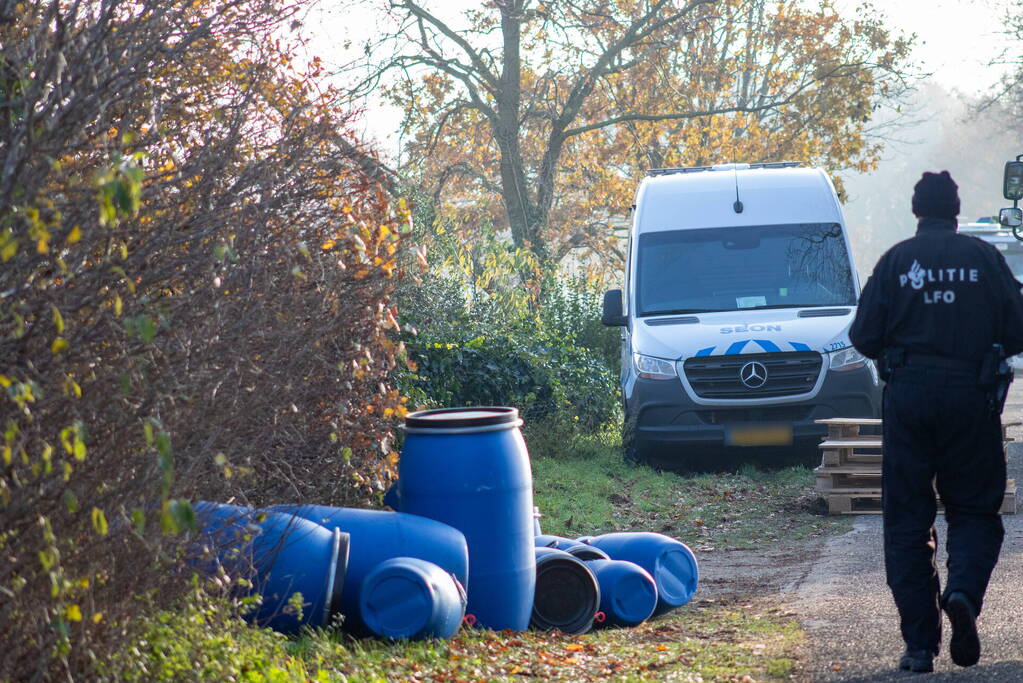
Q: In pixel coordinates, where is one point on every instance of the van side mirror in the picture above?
(1012, 183)
(1010, 218)
(612, 314)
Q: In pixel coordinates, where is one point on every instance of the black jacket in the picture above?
(940, 293)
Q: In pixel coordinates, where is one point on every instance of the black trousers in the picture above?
(938, 429)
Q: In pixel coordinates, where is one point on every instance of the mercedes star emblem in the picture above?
(753, 374)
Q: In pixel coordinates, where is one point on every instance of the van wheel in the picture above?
(630, 449)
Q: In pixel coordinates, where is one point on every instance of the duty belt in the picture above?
(928, 360)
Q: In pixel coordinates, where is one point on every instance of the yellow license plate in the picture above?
(759, 435)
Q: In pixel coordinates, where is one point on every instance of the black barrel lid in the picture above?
(456, 418)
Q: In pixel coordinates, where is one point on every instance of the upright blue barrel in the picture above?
(405, 597)
(378, 535)
(468, 467)
(671, 563)
(628, 594)
(282, 555)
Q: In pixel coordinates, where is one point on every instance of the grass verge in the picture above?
(699, 642)
(582, 486)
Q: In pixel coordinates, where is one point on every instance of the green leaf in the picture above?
(184, 515)
(99, 521)
(147, 329)
(138, 518)
(58, 319)
(8, 245)
(78, 448)
(71, 501)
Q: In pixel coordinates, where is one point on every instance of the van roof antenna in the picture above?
(738, 203)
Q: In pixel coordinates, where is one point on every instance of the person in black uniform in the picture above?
(932, 312)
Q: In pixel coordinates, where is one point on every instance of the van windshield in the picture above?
(729, 269)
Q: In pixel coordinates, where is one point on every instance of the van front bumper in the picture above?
(659, 413)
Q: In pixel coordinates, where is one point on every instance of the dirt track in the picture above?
(848, 612)
(836, 588)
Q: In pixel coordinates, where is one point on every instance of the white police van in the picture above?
(738, 296)
(987, 229)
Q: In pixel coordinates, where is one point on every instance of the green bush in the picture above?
(206, 641)
(483, 325)
(546, 377)
(572, 307)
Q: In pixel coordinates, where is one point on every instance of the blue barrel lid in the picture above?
(401, 598)
(628, 591)
(463, 418)
(677, 574)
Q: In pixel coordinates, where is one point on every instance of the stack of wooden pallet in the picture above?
(849, 476)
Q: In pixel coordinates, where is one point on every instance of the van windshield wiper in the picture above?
(680, 311)
(767, 306)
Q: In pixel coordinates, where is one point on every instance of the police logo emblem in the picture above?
(753, 374)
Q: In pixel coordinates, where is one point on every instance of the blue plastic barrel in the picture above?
(587, 553)
(468, 467)
(281, 555)
(671, 563)
(406, 597)
(628, 594)
(378, 535)
(552, 541)
(567, 594)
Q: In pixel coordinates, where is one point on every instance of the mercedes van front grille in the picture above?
(753, 375)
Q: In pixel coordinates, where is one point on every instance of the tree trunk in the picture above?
(524, 217)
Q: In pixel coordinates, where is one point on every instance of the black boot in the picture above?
(921, 661)
(965, 646)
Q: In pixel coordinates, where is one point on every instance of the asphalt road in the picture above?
(847, 610)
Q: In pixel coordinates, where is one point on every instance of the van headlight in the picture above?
(847, 359)
(649, 367)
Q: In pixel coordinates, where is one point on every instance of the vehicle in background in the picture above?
(989, 230)
(735, 311)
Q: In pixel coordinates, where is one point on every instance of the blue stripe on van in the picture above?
(768, 345)
(799, 347)
(736, 347)
(705, 352)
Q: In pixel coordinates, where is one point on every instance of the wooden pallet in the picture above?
(845, 428)
(850, 428)
(867, 501)
(848, 451)
(837, 479)
(849, 477)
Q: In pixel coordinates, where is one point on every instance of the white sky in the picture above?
(956, 40)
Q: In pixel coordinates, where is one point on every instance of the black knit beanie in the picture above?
(936, 196)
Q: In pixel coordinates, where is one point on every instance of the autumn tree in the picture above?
(544, 114)
(1010, 91)
(195, 271)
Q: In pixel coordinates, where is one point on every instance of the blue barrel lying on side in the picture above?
(281, 555)
(552, 541)
(587, 553)
(628, 594)
(671, 563)
(378, 535)
(567, 595)
(468, 467)
(409, 598)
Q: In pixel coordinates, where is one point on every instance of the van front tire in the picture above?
(630, 448)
